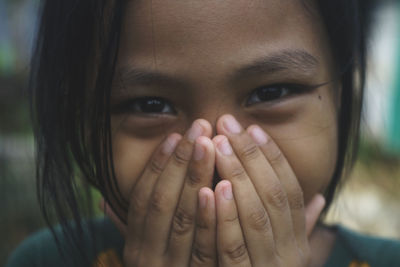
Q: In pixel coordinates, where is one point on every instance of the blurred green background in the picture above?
(370, 200)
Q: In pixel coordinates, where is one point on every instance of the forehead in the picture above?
(216, 32)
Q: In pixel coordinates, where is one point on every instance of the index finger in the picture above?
(288, 179)
(265, 181)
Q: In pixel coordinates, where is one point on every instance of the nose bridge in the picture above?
(213, 111)
(212, 117)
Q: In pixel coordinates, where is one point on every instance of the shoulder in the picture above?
(30, 252)
(377, 251)
(352, 247)
(40, 249)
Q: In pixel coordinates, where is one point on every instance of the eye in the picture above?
(271, 93)
(146, 105)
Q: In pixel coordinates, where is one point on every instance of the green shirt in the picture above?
(351, 249)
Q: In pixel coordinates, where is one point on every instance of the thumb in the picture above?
(106, 208)
(313, 210)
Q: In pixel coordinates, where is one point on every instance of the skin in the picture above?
(174, 218)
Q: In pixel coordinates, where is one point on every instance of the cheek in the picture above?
(313, 160)
(130, 158)
(310, 145)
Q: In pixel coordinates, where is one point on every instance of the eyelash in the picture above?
(144, 105)
(138, 105)
(272, 93)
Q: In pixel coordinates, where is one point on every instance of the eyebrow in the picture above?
(298, 61)
(286, 60)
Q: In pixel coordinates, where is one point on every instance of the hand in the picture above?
(162, 228)
(262, 222)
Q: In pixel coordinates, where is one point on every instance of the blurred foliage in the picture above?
(371, 151)
(14, 108)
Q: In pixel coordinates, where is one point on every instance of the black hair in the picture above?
(348, 26)
(72, 70)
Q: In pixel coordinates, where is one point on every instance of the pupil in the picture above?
(269, 93)
(152, 105)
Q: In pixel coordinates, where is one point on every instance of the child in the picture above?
(215, 130)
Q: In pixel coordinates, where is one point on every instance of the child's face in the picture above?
(207, 58)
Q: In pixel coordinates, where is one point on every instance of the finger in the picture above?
(231, 246)
(287, 177)
(263, 177)
(114, 218)
(166, 193)
(204, 246)
(313, 211)
(254, 219)
(141, 192)
(199, 174)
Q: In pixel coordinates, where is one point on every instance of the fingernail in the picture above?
(198, 151)
(224, 147)
(258, 135)
(228, 192)
(195, 131)
(170, 144)
(203, 200)
(231, 125)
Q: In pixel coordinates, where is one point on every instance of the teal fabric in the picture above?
(40, 249)
(351, 246)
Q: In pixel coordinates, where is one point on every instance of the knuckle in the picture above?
(159, 202)
(276, 196)
(296, 200)
(237, 253)
(182, 155)
(137, 204)
(237, 172)
(156, 166)
(259, 220)
(200, 255)
(193, 178)
(231, 219)
(276, 157)
(183, 221)
(249, 152)
(203, 223)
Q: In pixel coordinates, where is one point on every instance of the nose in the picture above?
(214, 122)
